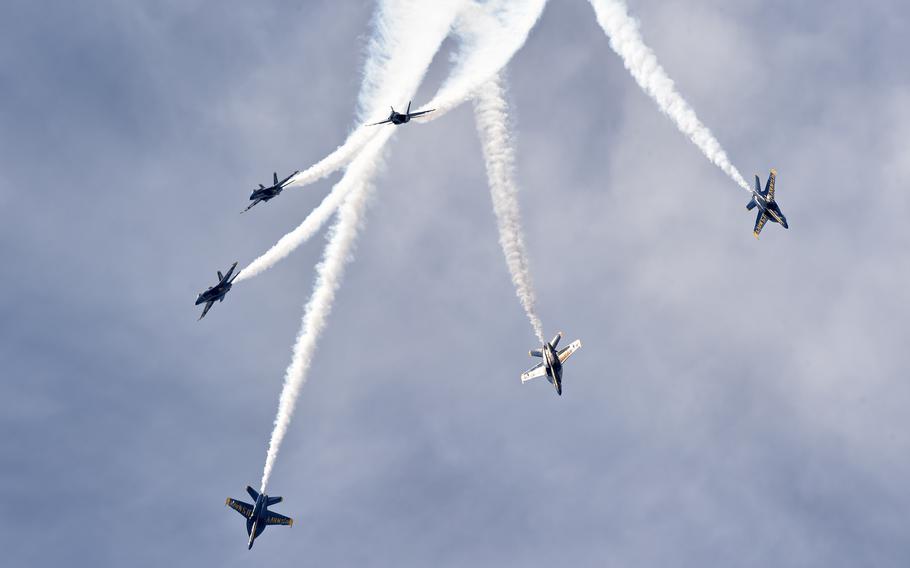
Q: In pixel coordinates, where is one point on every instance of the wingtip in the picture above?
(755, 235)
(773, 171)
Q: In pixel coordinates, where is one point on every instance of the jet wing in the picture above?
(760, 223)
(244, 509)
(769, 187)
(250, 206)
(413, 114)
(205, 310)
(566, 352)
(378, 123)
(276, 519)
(538, 370)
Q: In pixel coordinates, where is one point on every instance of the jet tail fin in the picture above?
(274, 500)
(751, 205)
(409, 108)
(274, 178)
(555, 341)
(757, 184)
(252, 492)
(220, 276)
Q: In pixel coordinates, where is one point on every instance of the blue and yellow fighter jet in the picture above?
(397, 118)
(265, 193)
(258, 516)
(767, 207)
(552, 362)
(217, 292)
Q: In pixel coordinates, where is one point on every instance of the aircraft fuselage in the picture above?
(398, 118)
(554, 366)
(214, 293)
(256, 524)
(770, 208)
(265, 193)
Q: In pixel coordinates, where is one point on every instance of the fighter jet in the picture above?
(552, 362)
(265, 193)
(767, 207)
(398, 118)
(217, 292)
(258, 516)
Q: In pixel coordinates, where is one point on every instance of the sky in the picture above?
(736, 402)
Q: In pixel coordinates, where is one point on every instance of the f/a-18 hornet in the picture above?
(217, 292)
(265, 193)
(552, 362)
(399, 118)
(767, 207)
(258, 516)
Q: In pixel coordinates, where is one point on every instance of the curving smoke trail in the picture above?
(490, 34)
(492, 114)
(626, 41)
(399, 53)
(403, 45)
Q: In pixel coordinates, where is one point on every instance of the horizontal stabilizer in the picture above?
(751, 205)
(274, 500)
(555, 341)
(252, 492)
(535, 353)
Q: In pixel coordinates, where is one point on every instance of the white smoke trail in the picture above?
(626, 40)
(336, 160)
(328, 278)
(492, 114)
(490, 34)
(400, 51)
(405, 41)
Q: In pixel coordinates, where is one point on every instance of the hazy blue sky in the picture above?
(736, 402)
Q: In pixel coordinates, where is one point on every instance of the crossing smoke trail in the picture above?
(400, 52)
(625, 39)
(490, 34)
(336, 160)
(491, 113)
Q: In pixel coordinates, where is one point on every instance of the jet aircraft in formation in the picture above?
(217, 292)
(265, 193)
(552, 362)
(258, 515)
(767, 207)
(397, 118)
